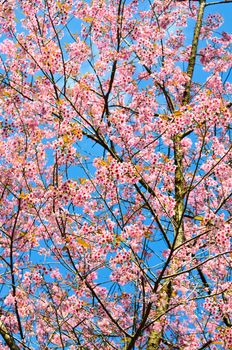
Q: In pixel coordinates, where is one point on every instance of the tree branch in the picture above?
(9, 339)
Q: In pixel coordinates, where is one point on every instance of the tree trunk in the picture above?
(180, 190)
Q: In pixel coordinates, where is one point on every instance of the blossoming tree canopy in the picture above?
(115, 175)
